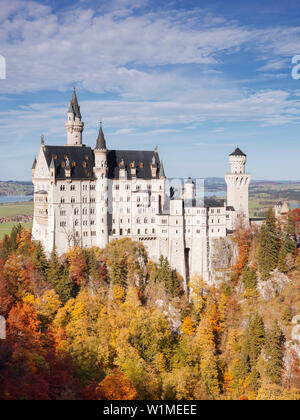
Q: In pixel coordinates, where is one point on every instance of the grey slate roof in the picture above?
(237, 152)
(74, 104)
(79, 155)
(114, 159)
(101, 143)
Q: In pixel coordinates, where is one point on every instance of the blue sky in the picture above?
(194, 78)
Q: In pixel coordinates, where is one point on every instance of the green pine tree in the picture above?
(39, 258)
(249, 278)
(274, 354)
(16, 230)
(268, 246)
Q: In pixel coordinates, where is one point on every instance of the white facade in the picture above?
(88, 197)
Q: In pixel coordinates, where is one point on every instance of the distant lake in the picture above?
(15, 198)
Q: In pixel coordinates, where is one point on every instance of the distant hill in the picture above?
(16, 188)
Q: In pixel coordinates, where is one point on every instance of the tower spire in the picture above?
(101, 142)
(75, 105)
(162, 170)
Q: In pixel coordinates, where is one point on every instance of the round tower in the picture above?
(74, 124)
(238, 184)
(237, 161)
(101, 174)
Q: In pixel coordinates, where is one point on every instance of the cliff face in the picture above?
(223, 255)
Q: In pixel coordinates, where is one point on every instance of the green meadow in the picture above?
(14, 209)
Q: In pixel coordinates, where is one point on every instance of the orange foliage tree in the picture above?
(242, 238)
(117, 387)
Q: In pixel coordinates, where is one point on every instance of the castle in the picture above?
(88, 197)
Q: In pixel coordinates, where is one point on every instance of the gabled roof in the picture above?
(81, 161)
(237, 152)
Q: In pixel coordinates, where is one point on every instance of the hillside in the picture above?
(15, 188)
(111, 324)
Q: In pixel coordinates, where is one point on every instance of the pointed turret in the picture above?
(52, 164)
(75, 105)
(161, 170)
(101, 142)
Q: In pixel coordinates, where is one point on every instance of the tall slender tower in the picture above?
(74, 125)
(238, 184)
(101, 174)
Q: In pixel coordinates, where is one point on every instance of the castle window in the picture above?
(139, 231)
(62, 188)
(76, 223)
(93, 233)
(72, 187)
(62, 224)
(62, 200)
(72, 199)
(152, 220)
(153, 230)
(116, 187)
(76, 212)
(198, 230)
(138, 220)
(176, 222)
(84, 211)
(77, 234)
(128, 231)
(63, 212)
(146, 231)
(145, 220)
(114, 231)
(92, 211)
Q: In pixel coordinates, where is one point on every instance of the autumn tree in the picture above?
(117, 387)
